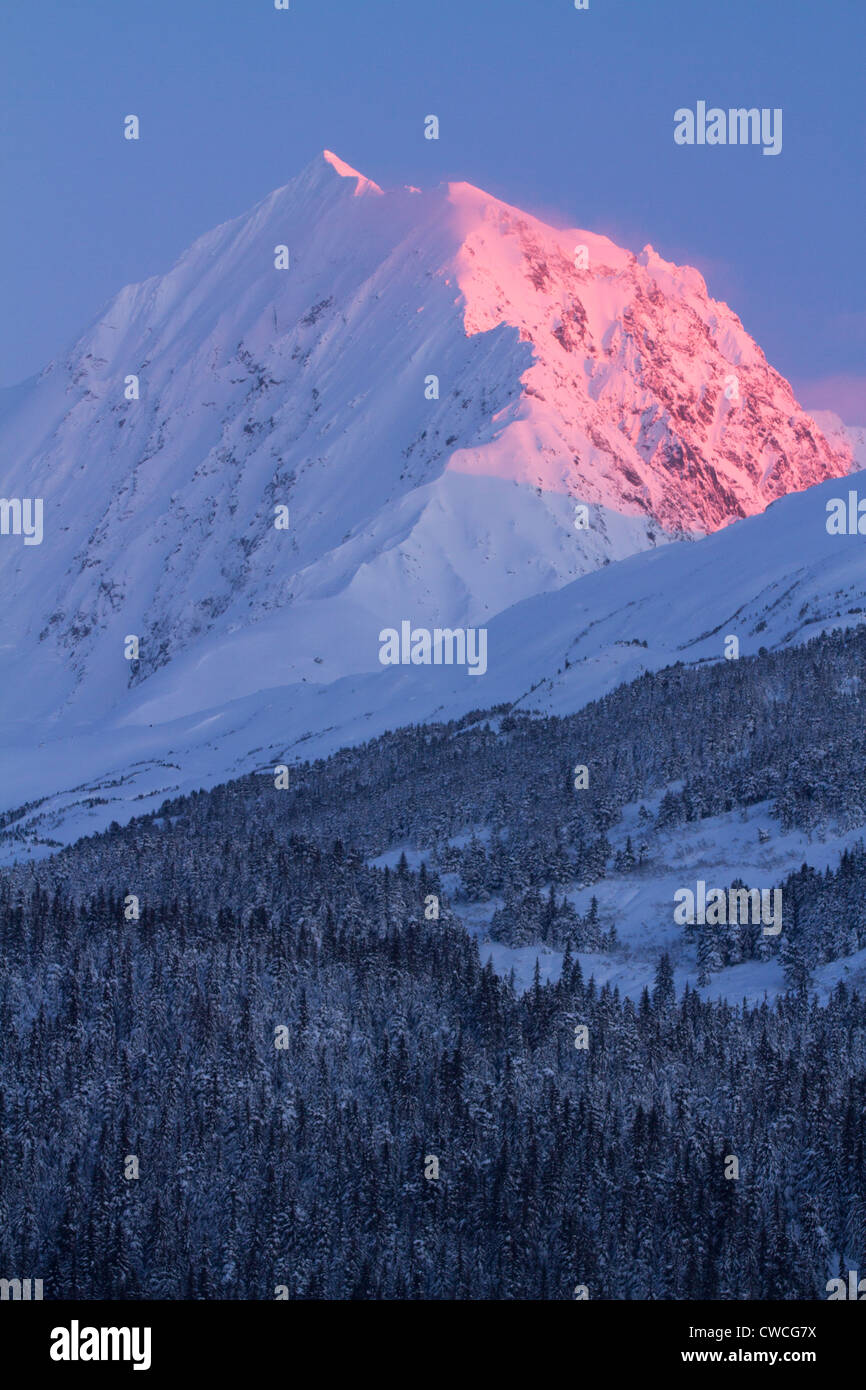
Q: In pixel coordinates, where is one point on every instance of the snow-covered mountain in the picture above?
(771, 580)
(308, 386)
(567, 371)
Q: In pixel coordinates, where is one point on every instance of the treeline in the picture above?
(786, 727)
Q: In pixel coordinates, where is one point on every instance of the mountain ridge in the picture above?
(432, 390)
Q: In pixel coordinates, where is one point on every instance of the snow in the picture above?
(186, 715)
(363, 185)
(307, 387)
(640, 905)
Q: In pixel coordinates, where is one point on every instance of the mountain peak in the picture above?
(432, 385)
(363, 185)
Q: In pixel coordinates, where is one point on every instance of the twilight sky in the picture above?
(568, 114)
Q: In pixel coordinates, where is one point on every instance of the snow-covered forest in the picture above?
(284, 1038)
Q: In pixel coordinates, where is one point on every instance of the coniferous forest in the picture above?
(280, 1076)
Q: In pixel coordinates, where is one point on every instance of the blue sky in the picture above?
(566, 113)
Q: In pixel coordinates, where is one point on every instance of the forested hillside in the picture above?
(325, 1091)
(261, 1166)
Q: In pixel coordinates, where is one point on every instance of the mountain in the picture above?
(568, 371)
(306, 387)
(772, 581)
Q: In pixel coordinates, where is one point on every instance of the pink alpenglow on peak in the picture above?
(643, 394)
(363, 185)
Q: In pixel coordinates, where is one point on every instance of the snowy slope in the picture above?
(639, 905)
(570, 371)
(771, 580)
